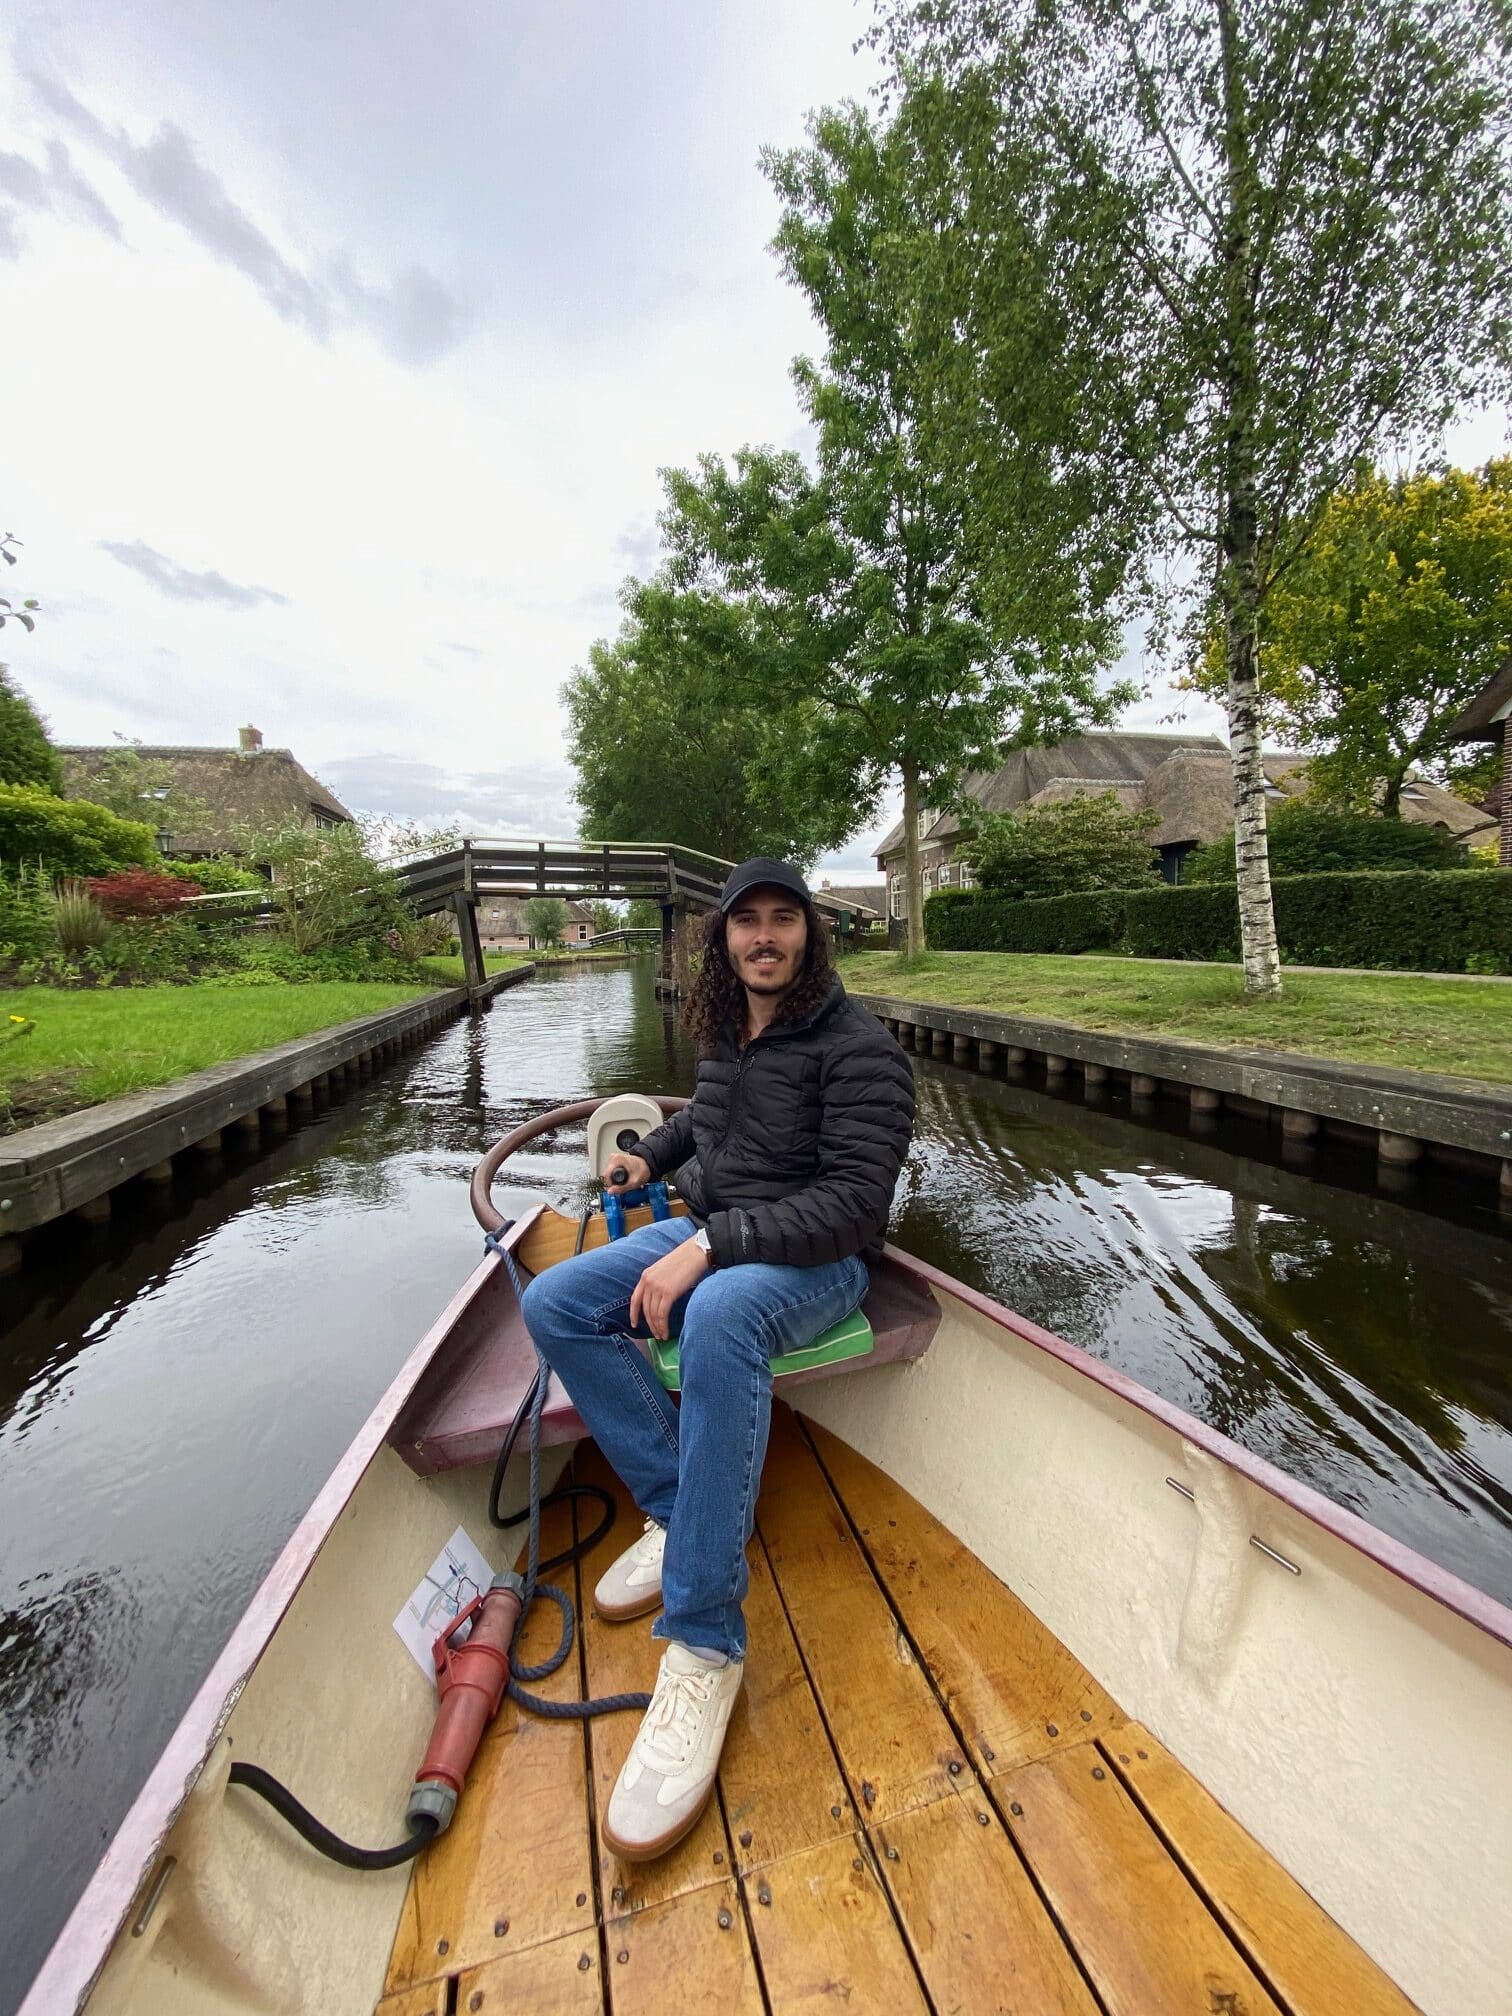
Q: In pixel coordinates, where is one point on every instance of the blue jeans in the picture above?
(695, 1471)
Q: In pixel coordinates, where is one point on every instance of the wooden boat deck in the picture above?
(924, 1804)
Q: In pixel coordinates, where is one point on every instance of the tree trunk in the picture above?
(1240, 578)
(1391, 794)
(913, 894)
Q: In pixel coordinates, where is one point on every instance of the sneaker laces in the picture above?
(667, 1734)
(653, 1538)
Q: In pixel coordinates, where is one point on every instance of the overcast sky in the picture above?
(343, 344)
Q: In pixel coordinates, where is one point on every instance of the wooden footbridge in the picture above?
(679, 879)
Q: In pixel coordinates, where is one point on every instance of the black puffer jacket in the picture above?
(789, 1150)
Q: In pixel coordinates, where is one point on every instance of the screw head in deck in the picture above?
(725, 1921)
(1086, 1714)
(984, 1819)
(501, 1926)
(1097, 1771)
(834, 1812)
(582, 1897)
(584, 1963)
(745, 1837)
(443, 1945)
(954, 1767)
(1051, 1730)
(892, 1854)
(475, 2000)
(763, 1895)
(1016, 1809)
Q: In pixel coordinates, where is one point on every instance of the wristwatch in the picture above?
(701, 1240)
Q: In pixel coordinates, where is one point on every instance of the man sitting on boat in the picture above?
(787, 1156)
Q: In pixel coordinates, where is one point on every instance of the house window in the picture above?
(968, 879)
(944, 874)
(895, 896)
(325, 822)
(928, 882)
(926, 820)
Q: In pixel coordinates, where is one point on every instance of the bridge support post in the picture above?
(668, 949)
(472, 944)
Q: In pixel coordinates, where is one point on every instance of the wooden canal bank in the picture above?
(1409, 1117)
(75, 1164)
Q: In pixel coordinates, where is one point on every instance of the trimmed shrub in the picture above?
(69, 836)
(1307, 841)
(969, 921)
(1422, 921)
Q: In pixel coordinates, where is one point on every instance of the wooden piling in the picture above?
(1142, 1086)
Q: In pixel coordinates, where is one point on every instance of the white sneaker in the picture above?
(669, 1774)
(632, 1585)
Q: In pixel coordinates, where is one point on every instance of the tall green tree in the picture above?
(1309, 202)
(928, 630)
(675, 734)
(26, 755)
(1392, 620)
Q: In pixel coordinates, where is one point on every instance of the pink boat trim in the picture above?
(1466, 1601)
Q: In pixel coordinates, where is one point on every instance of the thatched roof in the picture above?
(1193, 791)
(1100, 761)
(1482, 720)
(868, 898)
(239, 787)
(1061, 790)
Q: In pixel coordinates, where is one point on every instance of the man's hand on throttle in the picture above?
(637, 1173)
(663, 1282)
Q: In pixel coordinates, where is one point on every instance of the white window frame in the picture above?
(926, 820)
(895, 904)
(927, 881)
(945, 875)
(968, 879)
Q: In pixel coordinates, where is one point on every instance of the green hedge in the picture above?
(1304, 840)
(1424, 921)
(69, 836)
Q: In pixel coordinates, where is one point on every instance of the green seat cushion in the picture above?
(849, 1338)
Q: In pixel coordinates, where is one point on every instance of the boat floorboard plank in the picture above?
(1312, 1963)
(429, 1999)
(827, 1937)
(623, 1658)
(781, 1784)
(981, 1938)
(1015, 1691)
(691, 1949)
(549, 1980)
(1144, 1935)
(891, 1734)
(518, 1853)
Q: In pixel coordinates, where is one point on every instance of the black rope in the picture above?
(304, 1823)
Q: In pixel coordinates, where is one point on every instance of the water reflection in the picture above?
(175, 1386)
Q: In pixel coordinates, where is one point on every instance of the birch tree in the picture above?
(1310, 201)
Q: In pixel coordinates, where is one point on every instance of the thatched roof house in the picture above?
(245, 786)
(501, 924)
(1187, 780)
(865, 901)
(1486, 720)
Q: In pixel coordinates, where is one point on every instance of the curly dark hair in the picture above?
(717, 995)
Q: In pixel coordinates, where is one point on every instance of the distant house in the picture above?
(245, 786)
(1186, 779)
(1488, 718)
(862, 904)
(501, 924)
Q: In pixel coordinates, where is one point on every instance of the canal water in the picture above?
(175, 1386)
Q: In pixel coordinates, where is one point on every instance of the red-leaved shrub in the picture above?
(140, 892)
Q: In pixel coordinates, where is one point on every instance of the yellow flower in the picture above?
(18, 1018)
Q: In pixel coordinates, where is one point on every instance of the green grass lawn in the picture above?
(447, 967)
(1421, 1023)
(91, 1044)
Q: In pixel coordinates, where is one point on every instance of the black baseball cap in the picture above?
(759, 874)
